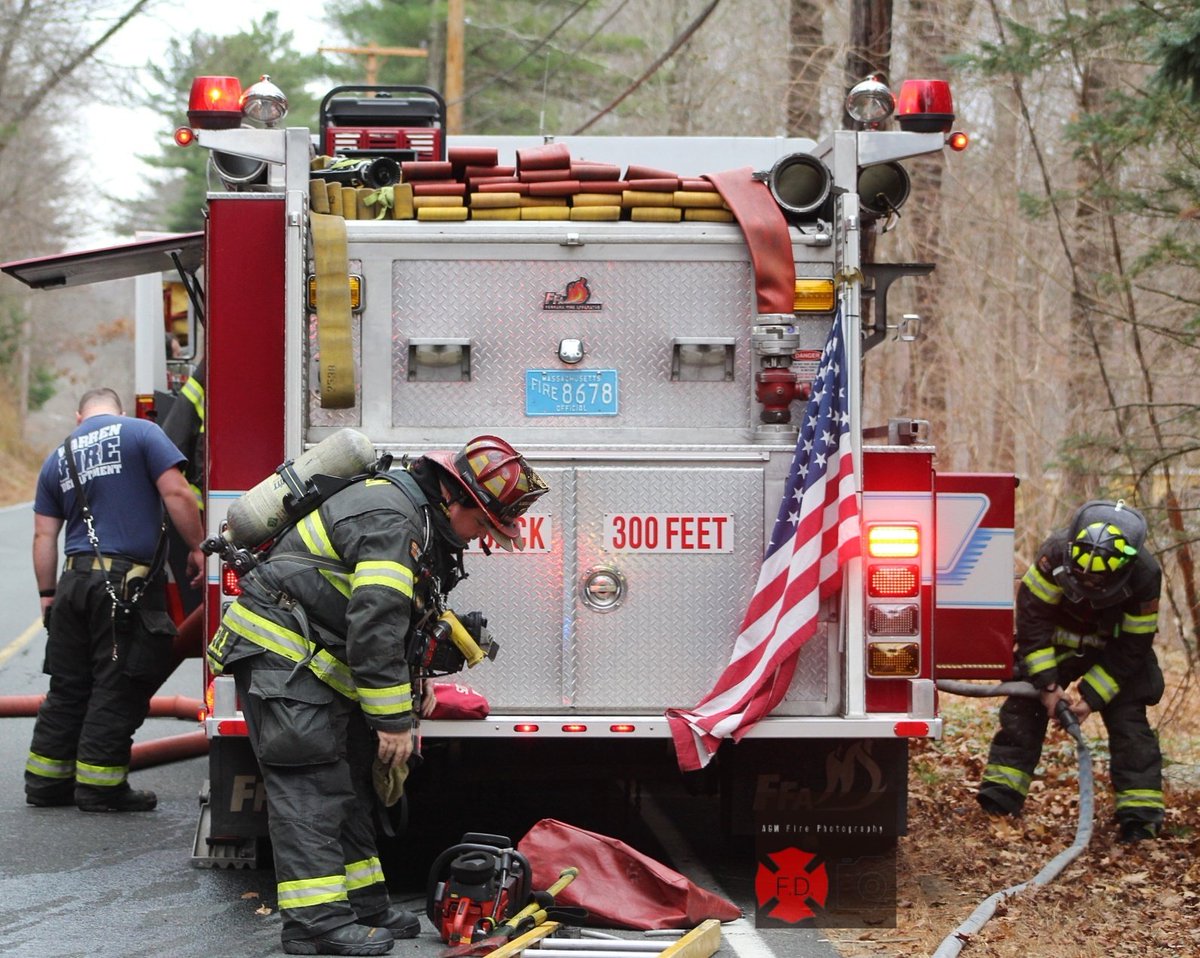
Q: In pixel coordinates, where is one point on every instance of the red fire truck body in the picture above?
(623, 358)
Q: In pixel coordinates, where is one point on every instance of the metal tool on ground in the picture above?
(703, 941)
(525, 920)
(475, 885)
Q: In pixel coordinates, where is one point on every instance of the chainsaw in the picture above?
(476, 885)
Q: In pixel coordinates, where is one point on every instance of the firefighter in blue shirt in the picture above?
(104, 667)
(1087, 612)
(317, 645)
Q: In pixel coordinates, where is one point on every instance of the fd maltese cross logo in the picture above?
(789, 884)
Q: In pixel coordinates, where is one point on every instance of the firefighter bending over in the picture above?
(317, 646)
(1087, 610)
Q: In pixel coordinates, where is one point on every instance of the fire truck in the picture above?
(652, 361)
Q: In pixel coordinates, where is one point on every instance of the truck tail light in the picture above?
(893, 619)
(893, 541)
(230, 584)
(893, 659)
(893, 581)
(144, 406)
(890, 580)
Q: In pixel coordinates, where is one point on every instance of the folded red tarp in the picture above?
(618, 885)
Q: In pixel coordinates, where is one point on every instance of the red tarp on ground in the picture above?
(618, 885)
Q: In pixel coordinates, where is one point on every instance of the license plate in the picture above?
(576, 392)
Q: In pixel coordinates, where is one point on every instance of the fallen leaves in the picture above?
(1114, 901)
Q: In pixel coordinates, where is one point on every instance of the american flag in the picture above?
(816, 532)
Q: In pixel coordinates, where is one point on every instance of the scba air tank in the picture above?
(261, 512)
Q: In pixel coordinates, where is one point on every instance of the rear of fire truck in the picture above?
(631, 361)
(640, 364)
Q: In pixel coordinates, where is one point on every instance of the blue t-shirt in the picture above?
(119, 460)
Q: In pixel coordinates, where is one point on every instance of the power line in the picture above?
(497, 77)
(655, 66)
(569, 55)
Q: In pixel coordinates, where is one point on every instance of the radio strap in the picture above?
(89, 522)
(336, 361)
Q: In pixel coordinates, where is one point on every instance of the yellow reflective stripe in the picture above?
(1039, 660)
(392, 700)
(1102, 683)
(390, 575)
(312, 531)
(1140, 798)
(339, 580)
(1008, 776)
(103, 776)
(380, 482)
(193, 392)
(198, 494)
(316, 540)
(311, 891)
(292, 646)
(50, 767)
(363, 873)
(1140, 624)
(1045, 589)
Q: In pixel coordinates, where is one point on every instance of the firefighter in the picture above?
(317, 646)
(1087, 611)
(109, 637)
(184, 426)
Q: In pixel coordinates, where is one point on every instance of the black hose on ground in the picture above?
(953, 943)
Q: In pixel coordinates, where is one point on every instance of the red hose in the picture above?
(174, 748)
(161, 706)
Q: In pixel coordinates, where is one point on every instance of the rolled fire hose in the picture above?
(333, 312)
(953, 943)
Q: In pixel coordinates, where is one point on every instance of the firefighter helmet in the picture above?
(1102, 542)
(497, 478)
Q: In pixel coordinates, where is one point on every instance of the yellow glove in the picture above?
(388, 781)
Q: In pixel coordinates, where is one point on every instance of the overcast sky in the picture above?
(113, 158)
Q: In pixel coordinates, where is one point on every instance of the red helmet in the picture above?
(497, 477)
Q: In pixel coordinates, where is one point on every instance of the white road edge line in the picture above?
(741, 935)
(20, 641)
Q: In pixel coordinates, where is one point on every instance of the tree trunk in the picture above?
(805, 68)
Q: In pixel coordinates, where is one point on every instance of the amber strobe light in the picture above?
(215, 103)
(893, 541)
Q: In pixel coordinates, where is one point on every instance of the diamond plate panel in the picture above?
(644, 306)
(522, 596)
(670, 638)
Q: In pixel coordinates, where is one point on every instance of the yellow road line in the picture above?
(22, 640)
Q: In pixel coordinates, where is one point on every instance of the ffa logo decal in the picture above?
(577, 296)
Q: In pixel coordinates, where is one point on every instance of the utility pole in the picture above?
(455, 30)
(373, 52)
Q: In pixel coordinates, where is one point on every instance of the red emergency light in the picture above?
(215, 103)
(925, 106)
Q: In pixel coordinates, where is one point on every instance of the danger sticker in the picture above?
(537, 531)
(667, 532)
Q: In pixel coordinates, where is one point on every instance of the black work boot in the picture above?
(401, 923)
(991, 806)
(347, 940)
(1132, 832)
(121, 800)
(49, 799)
